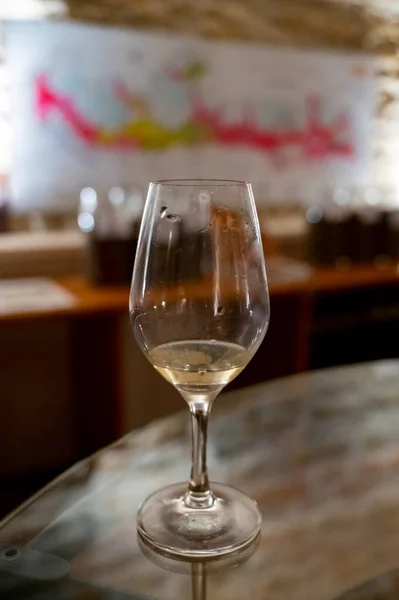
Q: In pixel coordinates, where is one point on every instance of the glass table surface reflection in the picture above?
(320, 454)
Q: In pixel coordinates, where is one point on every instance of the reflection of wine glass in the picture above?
(199, 310)
(199, 570)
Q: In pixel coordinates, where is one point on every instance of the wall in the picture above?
(341, 25)
(369, 25)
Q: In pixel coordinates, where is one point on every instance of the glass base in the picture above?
(184, 565)
(227, 526)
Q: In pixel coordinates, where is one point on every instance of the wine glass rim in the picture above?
(202, 182)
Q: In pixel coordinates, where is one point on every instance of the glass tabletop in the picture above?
(320, 454)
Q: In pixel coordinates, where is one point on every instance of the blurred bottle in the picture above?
(391, 247)
(366, 230)
(133, 207)
(329, 218)
(162, 271)
(112, 223)
(361, 226)
(194, 239)
(4, 204)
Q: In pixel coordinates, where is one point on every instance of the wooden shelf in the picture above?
(91, 299)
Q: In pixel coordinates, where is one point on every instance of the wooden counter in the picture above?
(104, 300)
(73, 379)
(94, 299)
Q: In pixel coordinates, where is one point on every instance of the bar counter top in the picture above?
(320, 454)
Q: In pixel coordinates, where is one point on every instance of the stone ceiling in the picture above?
(371, 25)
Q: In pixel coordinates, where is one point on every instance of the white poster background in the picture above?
(51, 163)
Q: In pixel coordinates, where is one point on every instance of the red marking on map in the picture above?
(316, 140)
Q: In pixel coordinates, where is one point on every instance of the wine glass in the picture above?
(199, 309)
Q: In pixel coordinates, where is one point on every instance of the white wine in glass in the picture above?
(199, 365)
(199, 309)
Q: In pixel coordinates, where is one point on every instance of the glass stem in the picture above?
(198, 581)
(199, 494)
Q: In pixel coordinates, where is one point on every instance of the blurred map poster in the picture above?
(100, 106)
